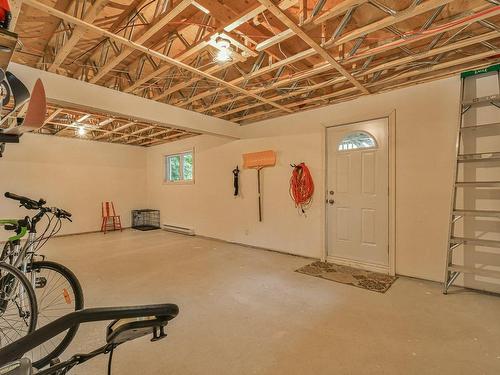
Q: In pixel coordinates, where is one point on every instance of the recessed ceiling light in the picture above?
(201, 7)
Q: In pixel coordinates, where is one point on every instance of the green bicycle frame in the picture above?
(23, 232)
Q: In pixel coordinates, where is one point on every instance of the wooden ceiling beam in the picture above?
(139, 47)
(435, 51)
(163, 69)
(134, 132)
(51, 116)
(66, 127)
(77, 34)
(150, 32)
(491, 12)
(312, 22)
(410, 12)
(182, 85)
(122, 17)
(335, 11)
(167, 42)
(291, 24)
(472, 60)
(257, 73)
(444, 65)
(230, 25)
(284, 5)
(119, 128)
(321, 68)
(397, 62)
(345, 6)
(52, 27)
(446, 73)
(480, 13)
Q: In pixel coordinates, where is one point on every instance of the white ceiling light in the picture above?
(81, 131)
(201, 7)
(225, 52)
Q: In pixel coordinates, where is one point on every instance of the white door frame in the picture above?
(392, 194)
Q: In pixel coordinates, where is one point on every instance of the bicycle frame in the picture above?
(22, 255)
(16, 240)
(15, 222)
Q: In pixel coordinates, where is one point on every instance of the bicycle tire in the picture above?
(7, 249)
(29, 292)
(79, 302)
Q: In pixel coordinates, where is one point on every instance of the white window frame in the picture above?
(166, 168)
(375, 146)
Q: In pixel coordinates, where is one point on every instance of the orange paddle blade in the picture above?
(259, 159)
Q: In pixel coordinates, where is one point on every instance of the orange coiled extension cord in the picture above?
(301, 187)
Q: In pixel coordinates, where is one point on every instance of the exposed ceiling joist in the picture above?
(77, 34)
(139, 47)
(292, 25)
(287, 55)
(152, 30)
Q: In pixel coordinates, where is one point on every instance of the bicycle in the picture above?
(18, 307)
(56, 289)
(128, 323)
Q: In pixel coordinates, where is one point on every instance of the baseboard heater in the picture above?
(176, 229)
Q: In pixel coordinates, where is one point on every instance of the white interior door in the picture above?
(358, 194)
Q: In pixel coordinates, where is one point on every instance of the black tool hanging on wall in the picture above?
(236, 180)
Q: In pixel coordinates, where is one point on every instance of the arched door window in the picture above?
(357, 140)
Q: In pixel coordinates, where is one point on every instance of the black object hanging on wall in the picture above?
(236, 180)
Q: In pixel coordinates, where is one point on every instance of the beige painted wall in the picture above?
(78, 175)
(426, 121)
(75, 175)
(208, 205)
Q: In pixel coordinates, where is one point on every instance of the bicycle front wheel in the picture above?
(18, 307)
(58, 292)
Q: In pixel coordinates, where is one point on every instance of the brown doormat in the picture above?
(374, 281)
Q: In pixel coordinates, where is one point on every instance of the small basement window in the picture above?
(179, 167)
(357, 140)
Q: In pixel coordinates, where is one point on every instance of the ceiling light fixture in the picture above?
(225, 52)
(81, 131)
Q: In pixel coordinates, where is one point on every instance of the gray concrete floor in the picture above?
(245, 311)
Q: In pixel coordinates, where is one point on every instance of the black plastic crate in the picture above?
(146, 219)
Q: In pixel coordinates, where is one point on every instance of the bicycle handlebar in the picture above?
(31, 204)
(18, 348)
(25, 201)
(62, 213)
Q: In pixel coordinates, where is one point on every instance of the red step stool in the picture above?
(110, 220)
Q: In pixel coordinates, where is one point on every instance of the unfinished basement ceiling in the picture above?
(288, 56)
(83, 124)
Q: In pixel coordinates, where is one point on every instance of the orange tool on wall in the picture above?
(301, 187)
(259, 160)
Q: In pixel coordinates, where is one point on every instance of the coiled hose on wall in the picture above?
(301, 187)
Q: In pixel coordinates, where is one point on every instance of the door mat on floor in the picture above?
(374, 281)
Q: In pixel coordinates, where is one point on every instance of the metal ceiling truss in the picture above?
(76, 123)
(289, 55)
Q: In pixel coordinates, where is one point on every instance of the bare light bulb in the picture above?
(81, 131)
(223, 55)
(224, 50)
